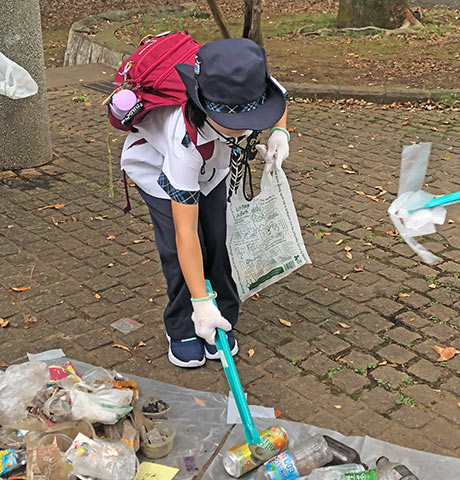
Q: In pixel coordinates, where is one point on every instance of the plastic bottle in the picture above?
(342, 453)
(334, 472)
(387, 470)
(295, 463)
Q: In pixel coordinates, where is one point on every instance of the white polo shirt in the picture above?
(164, 157)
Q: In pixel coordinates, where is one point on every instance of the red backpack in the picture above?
(149, 72)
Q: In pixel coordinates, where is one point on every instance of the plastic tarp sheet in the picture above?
(201, 424)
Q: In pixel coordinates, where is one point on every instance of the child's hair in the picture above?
(193, 114)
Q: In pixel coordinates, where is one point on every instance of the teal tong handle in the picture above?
(444, 200)
(250, 431)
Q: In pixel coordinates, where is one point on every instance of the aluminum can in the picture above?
(243, 458)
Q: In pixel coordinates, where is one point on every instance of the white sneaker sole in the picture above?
(215, 356)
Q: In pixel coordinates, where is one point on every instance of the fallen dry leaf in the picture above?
(251, 352)
(344, 325)
(111, 237)
(5, 365)
(337, 332)
(406, 123)
(347, 248)
(96, 295)
(339, 242)
(445, 353)
(349, 255)
(123, 347)
(344, 277)
(278, 413)
(200, 402)
(404, 294)
(140, 344)
(360, 193)
(4, 323)
(338, 407)
(20, 289)
(393, 232)
(255, 297)
(74, 219)
(432, 285)
(57, 206)
(358, 268)
(384, 362)
(285, 322)
(145, 261)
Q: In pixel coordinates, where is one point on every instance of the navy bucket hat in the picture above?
(231, 84)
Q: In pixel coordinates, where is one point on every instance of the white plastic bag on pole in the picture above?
(264, 240)
(15, 81)
(414, 163)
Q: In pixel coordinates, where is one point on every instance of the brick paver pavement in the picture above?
(358, 357)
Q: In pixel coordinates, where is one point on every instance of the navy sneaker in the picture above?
(186, 353)
(211, 352)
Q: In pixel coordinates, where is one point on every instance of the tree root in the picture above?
(409, 24)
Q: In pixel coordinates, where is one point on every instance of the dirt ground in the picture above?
(429, 59)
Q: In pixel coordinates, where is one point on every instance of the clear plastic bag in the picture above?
(18, 386)
(414, 163)
(100, 404)
(264, 240)
(15, 81)
(101, 459)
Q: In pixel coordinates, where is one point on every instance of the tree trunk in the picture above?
(24, 124)
(218, 17)
(252, 28)
(390, 14)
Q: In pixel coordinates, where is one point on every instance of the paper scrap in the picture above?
(257, 411)
(126, 325)
(47, 355)
(155, 471)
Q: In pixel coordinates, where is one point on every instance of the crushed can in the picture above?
(243, 458)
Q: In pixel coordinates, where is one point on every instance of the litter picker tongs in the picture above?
(250, 432)
(442, 201)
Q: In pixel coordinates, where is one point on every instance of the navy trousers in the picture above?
(212, 233)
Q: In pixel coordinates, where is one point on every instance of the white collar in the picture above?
(206, 134)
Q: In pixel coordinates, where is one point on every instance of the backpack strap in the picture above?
(206, 149)
(127, 208)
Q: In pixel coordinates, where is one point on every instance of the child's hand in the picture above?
(207, 317)
(276, 151)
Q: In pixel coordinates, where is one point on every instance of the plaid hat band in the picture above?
(224, 108)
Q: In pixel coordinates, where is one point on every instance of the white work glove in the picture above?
(207, 317)
(277, 151)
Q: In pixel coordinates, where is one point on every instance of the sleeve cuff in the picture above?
(179, 196)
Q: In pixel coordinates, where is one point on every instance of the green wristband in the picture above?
(283, 130)
(208, 297)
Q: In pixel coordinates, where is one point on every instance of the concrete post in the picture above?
(24, 124)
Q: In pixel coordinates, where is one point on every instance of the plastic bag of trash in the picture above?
(101, 459)
(15, 81)
(100, 404)
(18, 386)
(264, 240)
